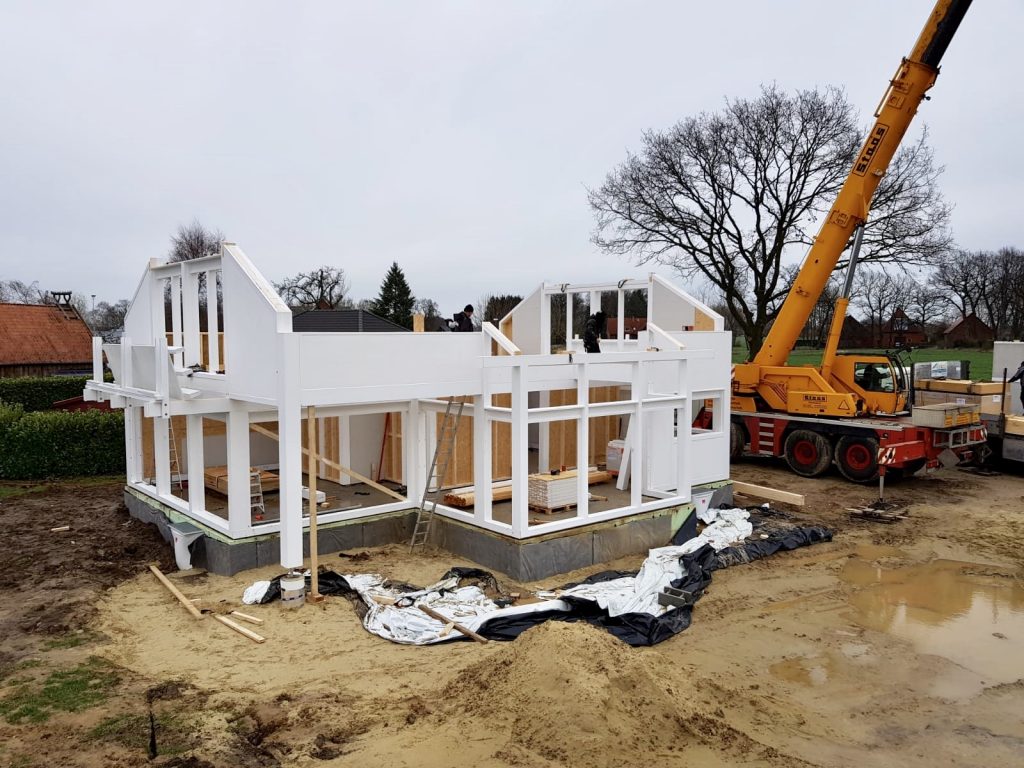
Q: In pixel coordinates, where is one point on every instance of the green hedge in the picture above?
(37, 445)
(40, 393)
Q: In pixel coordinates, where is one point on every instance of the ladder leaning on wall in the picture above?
(175, 465)
(443, 452)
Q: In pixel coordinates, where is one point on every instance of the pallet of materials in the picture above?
(550, 492)
(216, 479)
(465, 497)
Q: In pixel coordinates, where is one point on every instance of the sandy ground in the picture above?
(896, 644)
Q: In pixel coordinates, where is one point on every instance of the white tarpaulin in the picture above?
(393, 614)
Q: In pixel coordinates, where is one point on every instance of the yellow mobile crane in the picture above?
(848, 409)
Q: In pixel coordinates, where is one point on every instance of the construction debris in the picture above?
(176, 592)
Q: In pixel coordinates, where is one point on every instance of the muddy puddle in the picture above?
(969, 614)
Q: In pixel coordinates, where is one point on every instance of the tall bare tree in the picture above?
(194, 241)
(325, 287)
(726, 196)
(878, 294)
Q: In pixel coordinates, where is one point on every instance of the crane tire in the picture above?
(808, 453)
(857, 458)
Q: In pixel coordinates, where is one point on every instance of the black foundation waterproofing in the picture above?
(636, 629)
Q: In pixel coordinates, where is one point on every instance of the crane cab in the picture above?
(877, 381)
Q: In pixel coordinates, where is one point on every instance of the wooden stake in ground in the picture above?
(176, 592)
(314, 560)
(446, 621)
(239, 628)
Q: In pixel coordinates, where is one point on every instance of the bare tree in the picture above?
(426, 307)
(18, 292)
(325, 287)
(878, 294)
(956, 278)
(194, 241)
(924, 305)
(725, 196)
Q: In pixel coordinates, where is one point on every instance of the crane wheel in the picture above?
(737, 439)
(808, 453)
(857, 458)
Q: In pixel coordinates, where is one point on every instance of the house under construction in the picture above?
(485, 429)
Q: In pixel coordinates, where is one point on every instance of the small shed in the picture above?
(43, 340)
(969, 331)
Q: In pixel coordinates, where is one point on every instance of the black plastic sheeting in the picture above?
(636, 629)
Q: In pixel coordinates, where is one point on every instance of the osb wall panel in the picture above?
(562, 434)
(460, 469)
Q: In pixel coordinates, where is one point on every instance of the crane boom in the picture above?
(899, 104)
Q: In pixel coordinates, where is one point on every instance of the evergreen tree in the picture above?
(395, 301)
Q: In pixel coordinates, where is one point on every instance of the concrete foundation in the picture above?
(523, 560)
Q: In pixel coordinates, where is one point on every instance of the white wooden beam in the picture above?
(196, 464)
(481, 460)
(190, 314)
(289, 451)
(212, 322)
(239, 503)
(583, 443)
(520, 457)
(162, 455)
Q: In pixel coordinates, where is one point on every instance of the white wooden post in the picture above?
(212, 329)
(545, 322)
(520, 459)
(583, 441)
(684, 419)
(621, 334)
(97, 359)
(482, 456)
(239, 467)
(289, 427)
(156, 306)
(162, 455)
(132, 419)
(568, 319)
(175, 283)
(345, 447)
(414, 450)
(190, 315)
(636, 469)
(544, 433)
(196, 464)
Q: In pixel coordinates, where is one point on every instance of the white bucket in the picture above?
(293, 590)
(613, 455)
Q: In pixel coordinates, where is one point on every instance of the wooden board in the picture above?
(465, 497)
(562, 434)
(216, 479)
(772, 494)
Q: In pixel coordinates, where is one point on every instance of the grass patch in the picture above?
(14, 490)
(980, 359)
(71, 640)
(173, 732)
(66, 690)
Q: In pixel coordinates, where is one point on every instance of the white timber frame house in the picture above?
(256, 372)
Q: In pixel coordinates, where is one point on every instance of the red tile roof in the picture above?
(32, 334)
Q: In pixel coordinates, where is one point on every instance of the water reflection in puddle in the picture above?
(967, 613)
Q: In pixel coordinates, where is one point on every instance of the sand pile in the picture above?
(565, 694)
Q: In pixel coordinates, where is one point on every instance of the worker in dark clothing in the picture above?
(464, 319)
(593, 331)
(1019, 376)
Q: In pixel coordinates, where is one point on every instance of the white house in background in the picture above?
(204, 411)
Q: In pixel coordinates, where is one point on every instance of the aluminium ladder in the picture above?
(174, 470)
(257, 508)
(443, 452)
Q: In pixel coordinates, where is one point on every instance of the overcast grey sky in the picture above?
(456, 138)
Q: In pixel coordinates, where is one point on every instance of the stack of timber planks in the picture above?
(548, 492)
